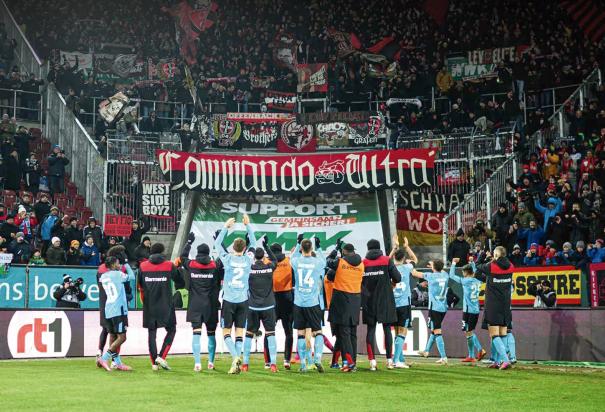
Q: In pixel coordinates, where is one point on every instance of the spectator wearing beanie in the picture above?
(8, 229)
(42, 207)
(564, 257)
(90, 253)
(20, 249)
(139, 228)
(55, 254)
(143, 251)
(459, 248)
(73, 233)
(533, 235)
(46, 228)
(95, 231)
(554, 206)
(37, 259)
(73, 255)
(516, 257)
(580, 258)
(531, 257)
(501, 222)
(523, 215)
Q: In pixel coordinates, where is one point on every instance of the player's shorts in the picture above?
(255, 317)
(308, 317)
(117, 324)
(234, 314)
(404, 316)
(210, 327)
(284, 306)
(435, 319)
(469, 321)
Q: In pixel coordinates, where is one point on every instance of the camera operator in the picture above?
(69, 294)
(545, 296)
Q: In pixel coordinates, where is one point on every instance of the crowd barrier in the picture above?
(559, 334)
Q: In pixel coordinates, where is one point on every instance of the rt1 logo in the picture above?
(39, 334)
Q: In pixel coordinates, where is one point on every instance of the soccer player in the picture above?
(261, 305)
(402, 294)
(497, 275)
(470, 309)
(284, 301)
(204, 283)
(346, 275)
(308, 280)
(118, 251)
(155, 276)
(235, 289)
(377, 299)
(116, 311)
(438, 281)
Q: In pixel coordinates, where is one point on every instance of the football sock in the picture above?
(399, 339)
(470, 344)
(247, 349)
(231, 346)
(301, 347)
(239, 343)
(327, 343)
(107, 356)
(211, 346)
(440, 346)
(117, 359)
(476, 344)
(272, 349)
(512, 345)
(429, 343)
(319, 347)
(493, 352)
(500, 348)
(388, 341)
(308, 355)
(195, 347)
(266, 349)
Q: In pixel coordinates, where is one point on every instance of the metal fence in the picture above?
(130, 162)
(86, 165)
(24, 106)
(25, 56)
(480, 204)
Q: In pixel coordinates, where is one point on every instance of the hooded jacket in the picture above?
(459, 249)
(154, 282)
(377, 299)
(498, 276)
(547, 212)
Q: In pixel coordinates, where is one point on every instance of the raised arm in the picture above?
(318, 253)
(250, 231)
(453, 275)
(218, 243)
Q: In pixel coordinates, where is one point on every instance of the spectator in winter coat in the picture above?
(73, 233)
(95, 231)
(479, 233)
(73, 255)
(46, 227)
(459, 248)
(42, 207)
(26, 223)
(596, 253)
(55, 254)
(554, 206)
(90, 253)
(523, 215)
(139, 228)
(557, 230)
(564, 257)
(8, 229)
(13, 172)
(37, 259)
(580, 258)
(516, 257)
(56, 170)
(143, 251)
(501, 222)
(531, 257)
(20, 249)
(532, 235)
(512, 236)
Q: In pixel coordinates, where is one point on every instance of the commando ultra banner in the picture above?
(311, 173)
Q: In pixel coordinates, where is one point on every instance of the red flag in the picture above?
(377, 48)
(355, 42)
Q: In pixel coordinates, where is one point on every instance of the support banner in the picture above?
(313, 173)
(312, 78)
(597, 284)
(280, 100)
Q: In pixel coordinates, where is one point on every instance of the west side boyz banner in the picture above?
(155, 200)
(312, 173)
(355, 221)
(420, 215)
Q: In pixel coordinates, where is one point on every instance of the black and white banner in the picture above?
(155, 198)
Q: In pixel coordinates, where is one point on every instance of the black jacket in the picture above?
(21, 251)
(377, 299)
(203, 281)
(459, 249)
(69, 298)
(56, 165)
(154, 282)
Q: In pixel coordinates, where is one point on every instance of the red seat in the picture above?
(85, 214)
(72, 190)
(79, 202)
(9, 201)
(9, 193)
(70, 211)
(61, 203)
(36, 132)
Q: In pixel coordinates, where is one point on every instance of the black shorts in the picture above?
(284, 306)
(210, 327)
(255, 317)
(234, 314)
(308, 317)
(117, 324)
(404, 316)
(469, 321)
(435, 319)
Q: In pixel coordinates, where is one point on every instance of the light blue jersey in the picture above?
(402, 289)
(113, 285)
(308, 278)
(470, 290)
(437, 290)
(237, 269)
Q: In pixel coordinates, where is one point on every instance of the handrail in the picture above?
(31, 49)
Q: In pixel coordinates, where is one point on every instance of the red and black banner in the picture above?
(597, 284)
(313, 173)
(280, 100)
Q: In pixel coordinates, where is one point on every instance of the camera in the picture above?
(77, 283)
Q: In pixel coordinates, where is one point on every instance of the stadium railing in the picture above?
(25, 55)
(22, 105)
(130, 162)
(87, 167)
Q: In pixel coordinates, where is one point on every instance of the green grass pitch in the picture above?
(76, 384)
